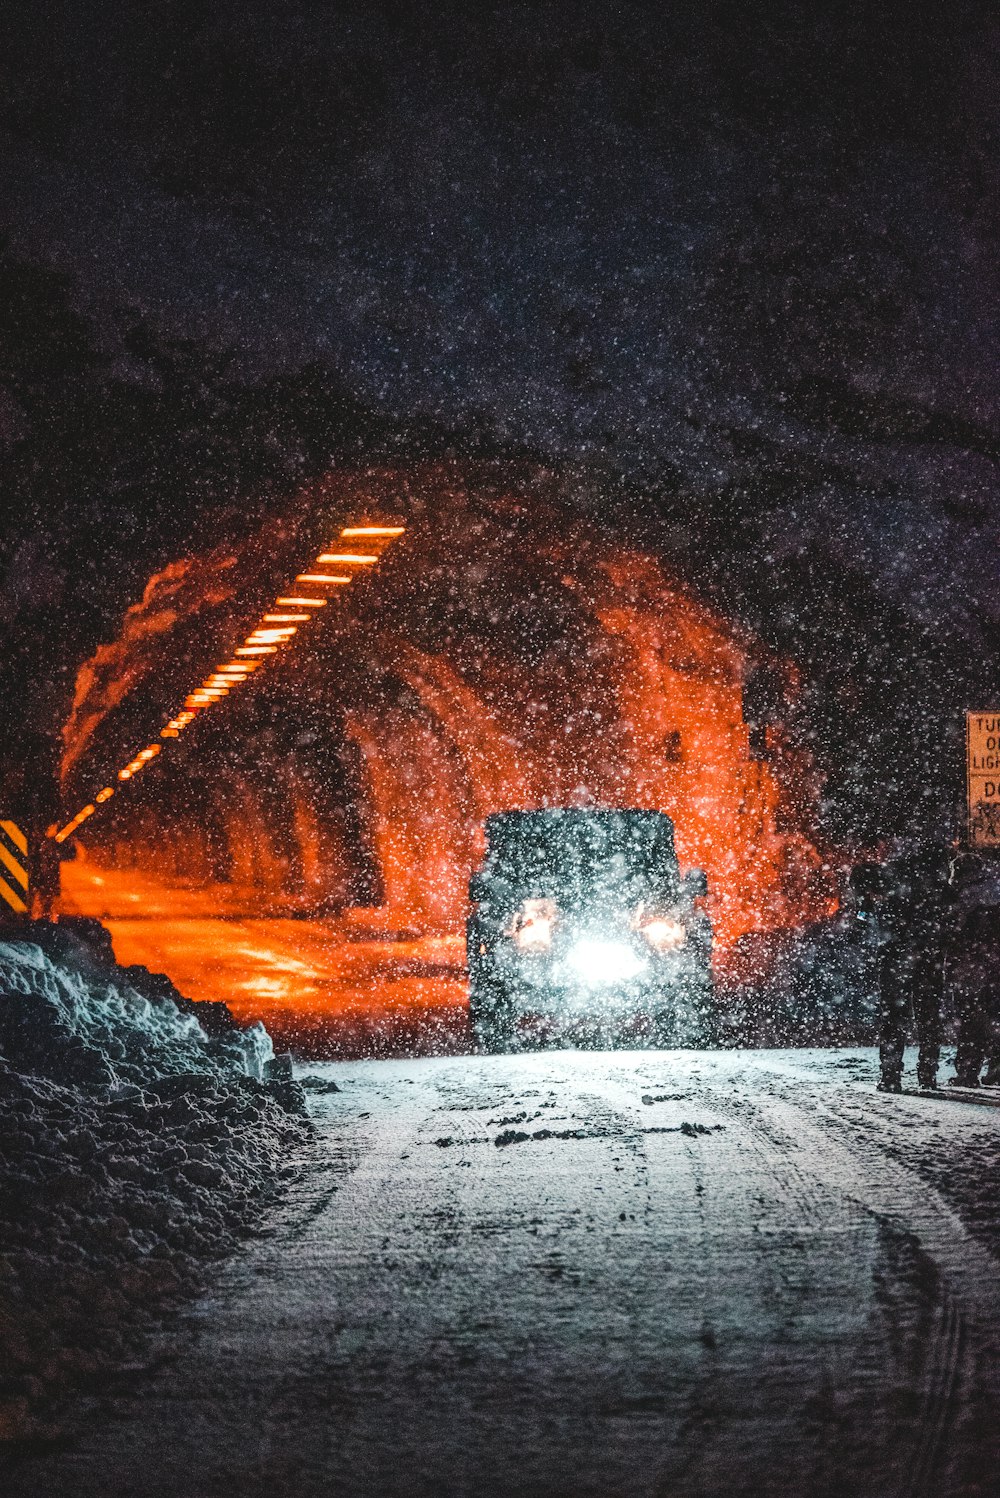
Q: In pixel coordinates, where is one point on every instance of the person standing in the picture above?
(906, 904)
(974, 967)
(928, 927)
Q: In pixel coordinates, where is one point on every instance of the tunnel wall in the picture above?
(653, 719)
(507, 656)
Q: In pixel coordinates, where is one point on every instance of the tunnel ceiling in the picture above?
(503, 654)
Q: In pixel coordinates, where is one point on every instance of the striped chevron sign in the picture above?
(13, 868)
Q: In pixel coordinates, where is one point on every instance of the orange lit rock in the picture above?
(504, 654)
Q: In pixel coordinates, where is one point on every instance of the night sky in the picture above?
(733, 266)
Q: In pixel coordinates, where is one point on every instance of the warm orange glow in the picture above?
(372, 530)
(104, 795)
(663, 674)
(532, 925)
(260, 642)
(81, 816)
(663, 933)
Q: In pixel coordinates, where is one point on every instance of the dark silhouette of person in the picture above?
(907, 903)
(975, 958)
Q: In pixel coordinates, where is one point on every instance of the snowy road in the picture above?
(572, 1274)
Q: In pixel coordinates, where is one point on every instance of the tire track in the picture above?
(964, 1338)
(938, 1395)
(614, 1309)
(743, 1174)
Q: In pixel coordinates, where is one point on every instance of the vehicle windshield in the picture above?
(579, 855)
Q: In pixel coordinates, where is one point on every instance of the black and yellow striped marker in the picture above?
(13, 868)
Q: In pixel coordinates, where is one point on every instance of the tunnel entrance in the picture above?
(508, 654)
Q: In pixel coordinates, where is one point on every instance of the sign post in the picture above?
(14, 897)
(982, 778)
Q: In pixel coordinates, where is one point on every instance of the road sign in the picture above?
(982, 774)
(13, 869)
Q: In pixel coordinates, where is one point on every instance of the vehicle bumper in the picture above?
(544, 993)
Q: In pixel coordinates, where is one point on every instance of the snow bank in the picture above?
(140, 1136)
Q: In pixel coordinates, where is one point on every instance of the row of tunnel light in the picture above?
(293, 607)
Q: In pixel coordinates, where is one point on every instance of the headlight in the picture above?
(595, 962)
(532, 926)
(663, 933)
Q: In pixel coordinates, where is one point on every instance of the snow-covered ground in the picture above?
(138, 1140)
(571, 1274)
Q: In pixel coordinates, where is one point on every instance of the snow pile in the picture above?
(70, 1013)
(136, 1142)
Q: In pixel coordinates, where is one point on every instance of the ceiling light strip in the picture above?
(262, 641)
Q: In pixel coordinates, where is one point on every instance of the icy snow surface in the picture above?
(563, 1274)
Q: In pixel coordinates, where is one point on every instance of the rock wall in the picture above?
(504, 655)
